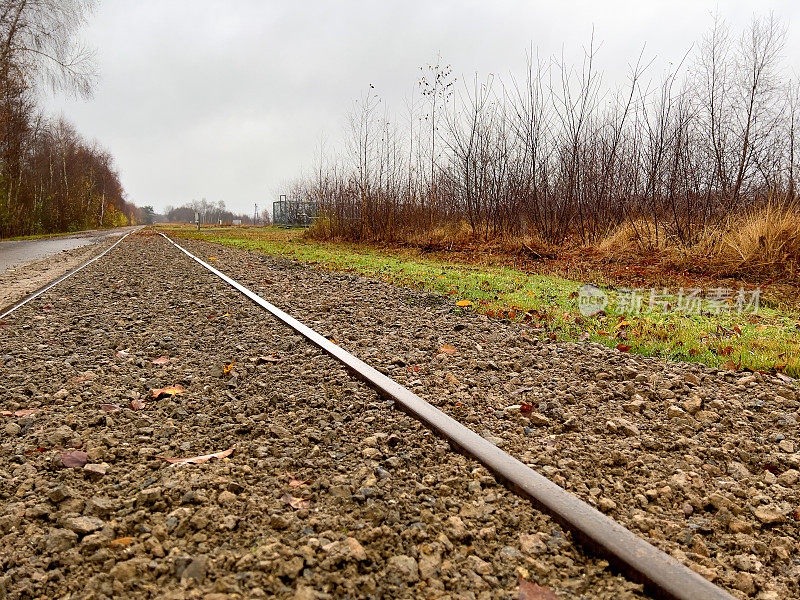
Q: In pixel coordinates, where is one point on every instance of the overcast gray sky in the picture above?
(227, 100)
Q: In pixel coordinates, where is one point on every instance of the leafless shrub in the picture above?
(561, 158)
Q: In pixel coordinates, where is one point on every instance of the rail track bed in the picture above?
(329, 491)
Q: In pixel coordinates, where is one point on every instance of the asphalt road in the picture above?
(18, 252)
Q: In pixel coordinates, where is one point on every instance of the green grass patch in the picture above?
(766, 341)
(38, 236)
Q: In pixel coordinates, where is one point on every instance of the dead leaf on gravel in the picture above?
(110, 407)
(295, 502)
(74, 459)
(122, 542)
(522, 390)
(531, 591)
(296, 482)
(137, 404)
(448, 349)
(265, 359)
(173, 390)
(623, 347)
(464, 303)
(20, 413)
(227, 369)
(212, 258)
(82, 379)
(198, 459)
(160, 361)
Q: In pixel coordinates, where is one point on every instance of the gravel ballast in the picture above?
(324, 490)
(703, 463)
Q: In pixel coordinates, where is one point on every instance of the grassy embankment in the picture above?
(767, 341)
(37, 236)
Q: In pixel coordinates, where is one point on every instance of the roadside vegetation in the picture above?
(768, 340)
(51, 178)
(694, 168)
(676, 196)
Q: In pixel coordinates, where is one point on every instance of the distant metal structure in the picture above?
(294, 213)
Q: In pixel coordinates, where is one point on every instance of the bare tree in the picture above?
(39, 44)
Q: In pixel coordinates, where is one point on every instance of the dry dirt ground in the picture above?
(700, 462)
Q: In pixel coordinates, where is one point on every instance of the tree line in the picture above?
(51, 179)
(559, 156)
(211, 213)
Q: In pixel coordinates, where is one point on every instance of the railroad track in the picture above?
(662, 575)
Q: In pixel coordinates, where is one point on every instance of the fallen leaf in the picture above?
(265, 359)
(199, 459)
(464, 303)
(168, 391)
(227, 369)
(110, 407)
(122, 542)
(448, 349)
(623, 324)
(74, 459)
(137, 404)
(295, 502)
(526, 408)
(212, 258)
(82, 378)
(522, 390)
(296, 482)
(160, 361)
(623, 347)
(25, 412)
(728, 366)
(531, 591)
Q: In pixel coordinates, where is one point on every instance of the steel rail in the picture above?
(43, 289)
(661, 574)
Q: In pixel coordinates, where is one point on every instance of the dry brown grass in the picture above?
(634, 237)
(759, 241)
